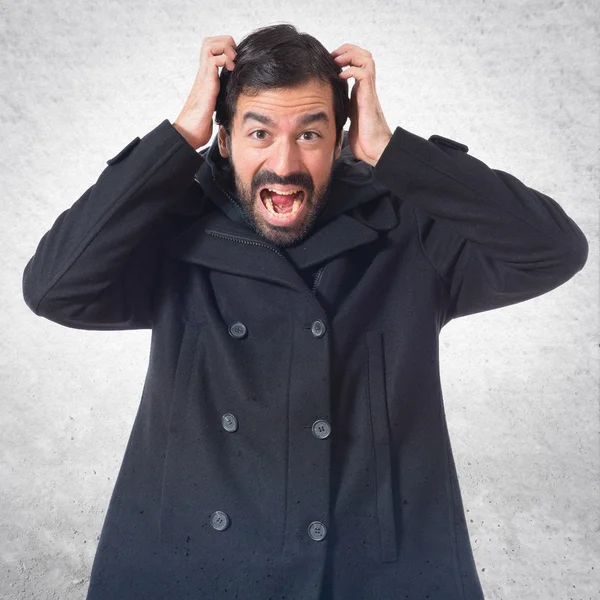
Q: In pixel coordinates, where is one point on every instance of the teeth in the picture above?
(271, 209)
(283, 193)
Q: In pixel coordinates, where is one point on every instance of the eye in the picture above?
(260, 138)
(259, 131)
(311, 133)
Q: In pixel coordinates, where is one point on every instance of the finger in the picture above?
(351, 50)
(222, 50)
(345, 48)
(363, 61)
(220, 45)
(357, 72)
(342, 59)
(227, 39)
(355, 60)
(217, 48)
(223, 61)
(230, 52)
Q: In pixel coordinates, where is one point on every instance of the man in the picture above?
(291, 440)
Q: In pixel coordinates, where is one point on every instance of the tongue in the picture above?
(282, 204)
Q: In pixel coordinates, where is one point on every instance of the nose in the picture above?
(285, 158)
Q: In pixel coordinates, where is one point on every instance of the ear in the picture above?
(338, 148)
(222, 141)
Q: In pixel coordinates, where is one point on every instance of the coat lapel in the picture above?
(221, 244)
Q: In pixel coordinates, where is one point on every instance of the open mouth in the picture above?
(280, 204)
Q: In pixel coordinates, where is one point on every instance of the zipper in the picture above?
(317, 279)
(222, 189)
(235, 238)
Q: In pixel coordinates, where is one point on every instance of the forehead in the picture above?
(281, 105)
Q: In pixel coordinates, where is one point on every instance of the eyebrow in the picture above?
(302, 121)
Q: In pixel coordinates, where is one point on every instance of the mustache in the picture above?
(271, 180)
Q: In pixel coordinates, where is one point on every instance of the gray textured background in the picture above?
(517, 81)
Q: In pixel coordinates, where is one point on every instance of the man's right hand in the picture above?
(195, 121)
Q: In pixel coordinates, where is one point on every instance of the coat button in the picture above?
(321, 429)
(229, 422)
(318, 328)
(219, 520)
(237, 330)
(317, 531)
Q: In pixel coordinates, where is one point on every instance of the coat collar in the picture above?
(358, 209)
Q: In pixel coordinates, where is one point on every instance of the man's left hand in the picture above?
(369, 132)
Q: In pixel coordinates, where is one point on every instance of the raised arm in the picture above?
(98, 265)
(493, 240)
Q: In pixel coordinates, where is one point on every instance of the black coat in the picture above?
(291, 440)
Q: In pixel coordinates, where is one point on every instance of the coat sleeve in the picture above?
(492, 240)
(97, 266)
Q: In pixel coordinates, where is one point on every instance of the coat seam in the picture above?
(195, 331)
(451, 516)
(374, 453)
(444, 284)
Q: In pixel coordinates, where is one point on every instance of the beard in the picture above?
(281, 236)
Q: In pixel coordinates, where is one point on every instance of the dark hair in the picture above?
(278, 56)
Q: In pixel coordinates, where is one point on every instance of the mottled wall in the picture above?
(516, 80)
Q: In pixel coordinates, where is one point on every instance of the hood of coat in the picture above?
(357, 211)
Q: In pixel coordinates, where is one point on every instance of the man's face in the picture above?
(273, 148)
